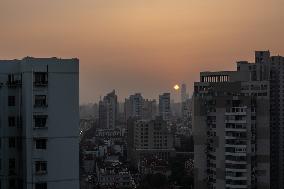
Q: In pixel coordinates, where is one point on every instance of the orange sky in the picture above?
(141, 45)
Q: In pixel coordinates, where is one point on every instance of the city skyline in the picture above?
(140, 46)
(138, 94)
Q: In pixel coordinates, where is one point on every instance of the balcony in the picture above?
(40, 83)
(40, 79)
(40, 167)
(14, 83)
(40, 101)
(40, 121)
(235, 121)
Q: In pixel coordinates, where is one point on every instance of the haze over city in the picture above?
(142, 94)
(141, 46)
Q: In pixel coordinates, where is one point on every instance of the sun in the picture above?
(176, 87)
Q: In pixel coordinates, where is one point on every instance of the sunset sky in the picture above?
(141, 45)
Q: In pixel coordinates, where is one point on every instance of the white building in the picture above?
(39, 123)
(165, 106)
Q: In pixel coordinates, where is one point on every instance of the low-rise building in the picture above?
(111, 173)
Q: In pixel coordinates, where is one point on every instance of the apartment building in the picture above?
(165, 106)
(149, 109)
(39, 123)
(149, 138)
(133, 106)
(137, 107)
(234, 121)
(108, 109)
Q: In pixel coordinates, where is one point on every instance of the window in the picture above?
(12, 163)
(41, 185)
(40, 101)
(11, 100)
(40, 121)
(12, 121)
(40, 143)
(12, 184)
(12, 142)
(40, 78)
(14, 80)
(41, 167)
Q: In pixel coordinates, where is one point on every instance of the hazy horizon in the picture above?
(141, 46)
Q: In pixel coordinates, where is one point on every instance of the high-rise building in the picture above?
(133, 106)
(271, 68)
(185, 109)
(185, 103)
(108, 108)
(137, 107)
(149, 109)
(183, 93)
(237, 125)
(102, 114)
(39, 127)
(165, 106)
(149, 138)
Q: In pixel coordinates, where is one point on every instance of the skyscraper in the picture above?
(183, 93)
(137, 107)
(165, 106)
(108, 108)
(39, 123)
(149, 109)
(271, 68)
(238, 123)
(185, 103)
(133, 106)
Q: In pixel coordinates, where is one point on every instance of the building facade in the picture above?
(234, 123)
(137, 107)
(133, 106)
(39, 127)
(271, 68)
(165, 106)
(108, 109)
(149, 138)
(149, 109)
(183, 93)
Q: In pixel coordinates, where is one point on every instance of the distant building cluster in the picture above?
(128, 141)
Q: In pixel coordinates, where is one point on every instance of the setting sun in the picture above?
(176, 87)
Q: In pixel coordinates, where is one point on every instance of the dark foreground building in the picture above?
(238, 125)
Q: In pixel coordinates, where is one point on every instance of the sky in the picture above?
(142, 46)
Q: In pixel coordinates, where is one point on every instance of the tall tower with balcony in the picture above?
(231, 128)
